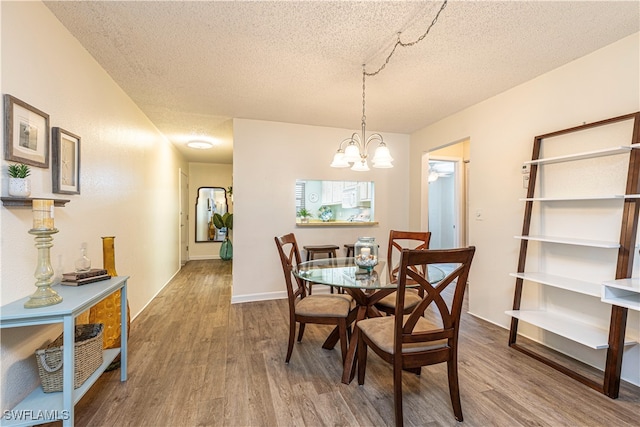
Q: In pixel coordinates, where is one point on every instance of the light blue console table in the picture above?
(40, 407)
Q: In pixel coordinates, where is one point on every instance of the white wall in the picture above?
(268, 158)
(129, 180)
(206, 175)
(600, 85)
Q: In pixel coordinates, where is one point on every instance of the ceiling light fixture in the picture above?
(355, 152)
(200, 145)
(352, 151)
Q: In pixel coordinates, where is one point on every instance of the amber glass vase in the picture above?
(107, 311)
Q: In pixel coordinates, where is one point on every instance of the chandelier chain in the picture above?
(398, 43)
(364, 117)
(408, 44)
(382, 159)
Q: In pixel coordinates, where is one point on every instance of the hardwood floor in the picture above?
(196, 360)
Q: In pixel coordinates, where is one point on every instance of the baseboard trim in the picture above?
(202, 257)
(238, 299)
(133, 316)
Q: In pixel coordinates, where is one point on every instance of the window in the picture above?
(300, 195)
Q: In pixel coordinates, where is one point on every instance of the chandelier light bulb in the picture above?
(360, 166)
(339, 160)
(382, 157)
(352, 152)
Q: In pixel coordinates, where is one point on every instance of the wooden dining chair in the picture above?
(324, 309)
(399, 240)
(421, 338)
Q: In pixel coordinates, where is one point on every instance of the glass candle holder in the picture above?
(365, 251)
(42, 214)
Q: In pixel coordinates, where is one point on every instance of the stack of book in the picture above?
(84, 277)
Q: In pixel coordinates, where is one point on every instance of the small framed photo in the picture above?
(26, 133)
(65, 162)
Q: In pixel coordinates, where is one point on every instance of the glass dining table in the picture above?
(366, 288)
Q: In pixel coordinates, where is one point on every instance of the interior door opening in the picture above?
(443, 219)
(444, 188)
(184, 218)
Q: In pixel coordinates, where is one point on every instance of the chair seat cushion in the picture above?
(411, 299)
(324, 306)
(380, 331)
(344, 296)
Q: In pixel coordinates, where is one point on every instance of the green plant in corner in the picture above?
(220, 222)
(223, 221)
(19, 170)
(304, 213)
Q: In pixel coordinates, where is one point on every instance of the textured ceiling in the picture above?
(193, 66)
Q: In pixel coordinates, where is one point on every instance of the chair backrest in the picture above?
(459, 260)
(399, 240)
(290, 257)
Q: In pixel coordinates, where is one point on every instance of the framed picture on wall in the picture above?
(26, 133)
(65, 162)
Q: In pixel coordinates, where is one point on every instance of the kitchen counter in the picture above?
(317, 223)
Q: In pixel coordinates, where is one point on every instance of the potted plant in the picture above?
(19, 183)
(220, 222)
(304, 215)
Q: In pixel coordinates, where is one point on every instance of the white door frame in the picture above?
(183, 217)
(459, 188)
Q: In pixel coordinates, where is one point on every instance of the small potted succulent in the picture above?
(304, 215)
(19, 183)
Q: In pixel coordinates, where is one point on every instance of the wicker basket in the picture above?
(88, 357)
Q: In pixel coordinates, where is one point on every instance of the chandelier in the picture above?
(354, 154)
(353, 151)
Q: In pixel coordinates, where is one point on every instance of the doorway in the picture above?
(443, 220)
(444, 195)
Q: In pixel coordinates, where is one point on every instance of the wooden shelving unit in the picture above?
(622, 293)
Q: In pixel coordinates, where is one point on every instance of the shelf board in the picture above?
(572, 241)
(622, 292)
(571, 199)
(51, 403)
(580, 156)
(567, 327)
(569, 284)
(26, 202)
